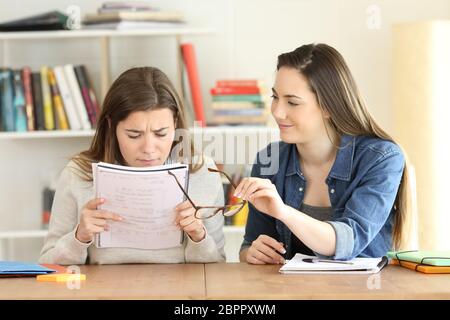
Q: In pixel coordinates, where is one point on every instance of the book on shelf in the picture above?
(117, 16)
(235, 90)
(52, 20)
(84, 88)
(49, 123)
(48, 195)
(144, 198)
(239, 83)
(256, 98)
(239, 102)
(190, 62)
(241, 105)
(60, 114)
(75, 91)
(133, 25)
(66, 95)
(37, 98)
(19, 103)
(125, 6)
(28, 92)
(7, 100)
(50, 98)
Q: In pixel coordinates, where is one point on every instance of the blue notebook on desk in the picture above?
(13, 268)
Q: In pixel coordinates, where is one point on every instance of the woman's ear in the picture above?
(326, 114)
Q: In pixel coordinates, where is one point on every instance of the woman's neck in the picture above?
(318, 153)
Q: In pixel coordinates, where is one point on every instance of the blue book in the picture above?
(22, 268)
(19, 103)
(7, 100)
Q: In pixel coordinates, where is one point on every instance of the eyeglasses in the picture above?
(206, 212)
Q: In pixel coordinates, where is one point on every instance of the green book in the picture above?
(432, 258)
(239, 97)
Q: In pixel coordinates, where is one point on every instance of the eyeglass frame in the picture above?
(219, 208)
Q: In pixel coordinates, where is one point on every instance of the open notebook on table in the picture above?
(301, 263)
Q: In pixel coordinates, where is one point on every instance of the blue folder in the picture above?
(22, 268)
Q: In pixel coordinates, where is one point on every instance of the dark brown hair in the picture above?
(337, 94)
(137, 89)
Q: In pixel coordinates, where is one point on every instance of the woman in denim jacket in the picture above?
(336, 185)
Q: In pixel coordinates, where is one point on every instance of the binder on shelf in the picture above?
(67, 98)
(76, 95)
(190, 62)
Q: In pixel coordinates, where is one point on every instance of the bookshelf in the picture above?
(39, 154)
(104, 37)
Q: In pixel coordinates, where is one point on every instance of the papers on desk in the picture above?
(145, 198)
(13, 268)
(358, 265)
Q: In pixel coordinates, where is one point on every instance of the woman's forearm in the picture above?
(319, 236)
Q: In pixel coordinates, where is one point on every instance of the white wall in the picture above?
(249, 36)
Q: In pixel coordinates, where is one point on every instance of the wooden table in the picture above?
(229, 281)
(243, 281)
(140, 281)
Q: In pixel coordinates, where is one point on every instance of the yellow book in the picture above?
(49, 122)
(57, 101)
(240, 218)
(421, 268)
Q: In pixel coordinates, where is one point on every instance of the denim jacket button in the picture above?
(332, 190)
(300, 189)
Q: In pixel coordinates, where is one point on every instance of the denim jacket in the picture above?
(362, 185)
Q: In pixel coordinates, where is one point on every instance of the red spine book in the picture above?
(234, 90)
(238, 83)
(190, 62)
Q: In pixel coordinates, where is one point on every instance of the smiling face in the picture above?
(296, 109)
(145, 137)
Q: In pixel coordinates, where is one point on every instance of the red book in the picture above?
(238, 83)
(190, 62)
(235, 90)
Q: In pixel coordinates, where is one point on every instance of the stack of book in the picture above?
(239, 102)
(131, 15)
(58, 98)
(422, 261)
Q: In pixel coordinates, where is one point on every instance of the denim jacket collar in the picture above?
(342, 166)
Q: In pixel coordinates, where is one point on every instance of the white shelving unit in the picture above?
(104, 37)
(53, 146)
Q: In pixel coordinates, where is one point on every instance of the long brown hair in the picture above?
(137, 89)
(337, 94)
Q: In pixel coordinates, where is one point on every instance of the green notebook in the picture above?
(432, 258)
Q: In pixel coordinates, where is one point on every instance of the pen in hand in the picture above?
(310, 260)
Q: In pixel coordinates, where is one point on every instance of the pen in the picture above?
(309, 260)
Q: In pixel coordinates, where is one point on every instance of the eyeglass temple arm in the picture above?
(226, 175)
(182, 188)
